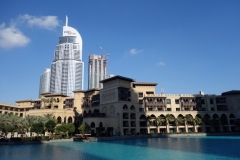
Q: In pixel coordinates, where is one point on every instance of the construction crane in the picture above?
(107, 55)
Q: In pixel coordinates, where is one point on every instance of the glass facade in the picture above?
(67, 67)
(45, 81)
(96, 71)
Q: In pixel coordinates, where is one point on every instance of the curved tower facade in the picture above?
(45, 81)
(67, 67)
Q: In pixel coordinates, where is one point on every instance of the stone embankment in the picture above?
(99, 139)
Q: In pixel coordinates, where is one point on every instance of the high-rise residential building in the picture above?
(67, 68)
(97, 70)
(45, 81)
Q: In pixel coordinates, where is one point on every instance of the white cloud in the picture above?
(11, 37)
(46, 22)
(134, 51)
(160, 63)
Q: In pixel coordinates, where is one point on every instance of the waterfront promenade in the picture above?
(113, 138)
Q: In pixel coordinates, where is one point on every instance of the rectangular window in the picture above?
(141, 109)
(149, 92)
(211, 101)
(168, 101)
(177, 109)
(176, 101)
(212, 109)
(202, 101)
(222, 108)
(140, 101)
(140, 94)
(160, 109)
(169, 109)
(150, 109)
(203, 109)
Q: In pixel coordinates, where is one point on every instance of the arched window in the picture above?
(142, 117)
(112, 109)
(69, 119)
(132, 107)
(92, 125)
(59, 120)
(153, 116)
(224, 119)
(125, 106)
(199, 116)
(231, 116)
(104, 110)
(215, 116)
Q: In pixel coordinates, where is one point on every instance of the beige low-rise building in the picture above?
(126, 107)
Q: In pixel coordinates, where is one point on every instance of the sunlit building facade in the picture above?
(128, 107)
(96, 71)
(45, 81)
(67, 68)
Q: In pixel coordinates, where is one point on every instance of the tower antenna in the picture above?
(107, 55)
(66, 20)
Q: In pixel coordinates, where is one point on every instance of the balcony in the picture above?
(153, 103)
(188, 103)
(91, 115)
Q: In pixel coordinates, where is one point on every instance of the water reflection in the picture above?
(151, 148)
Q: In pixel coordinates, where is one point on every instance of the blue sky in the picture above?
(183, 45)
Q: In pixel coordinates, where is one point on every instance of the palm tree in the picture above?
(84, 128)
(44, 100)
(188, 118)
(4, 122)
(160, 120)
(149, 120)
(198, 120)
(78, 119)
(30, 120)
(48, 116)
(169, 119)
(179, 120)
(51, 100)
(14, 121)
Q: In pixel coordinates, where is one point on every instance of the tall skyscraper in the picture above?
(67, 68)
(45, 81)
(97, 70)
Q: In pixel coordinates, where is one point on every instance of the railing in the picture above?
(168, 95)
(88, 115)
(188, 103)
